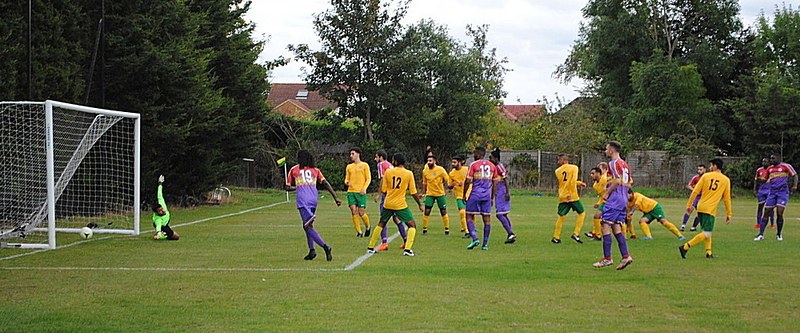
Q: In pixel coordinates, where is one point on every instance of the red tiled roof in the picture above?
(522, 112)
(282, 92)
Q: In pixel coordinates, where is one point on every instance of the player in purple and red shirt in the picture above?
(483, 176)
(701, 169)
(502, 200)
(383, 165)
(304, 178)
(761, 191)
(779, 190)
(615, 210)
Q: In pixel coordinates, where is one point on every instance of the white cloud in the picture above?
(535, 35)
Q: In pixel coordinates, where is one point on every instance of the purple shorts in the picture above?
(696, 200)
(501, 205)
(611, 215)
(479, 207)
(778, 198)
(307, 214)
(762, 196)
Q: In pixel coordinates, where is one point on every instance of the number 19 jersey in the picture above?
(482, 173)
(395, 183)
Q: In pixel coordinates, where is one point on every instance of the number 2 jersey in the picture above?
(305, 180)
(482, 173)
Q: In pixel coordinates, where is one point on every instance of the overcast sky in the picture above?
(535, 35)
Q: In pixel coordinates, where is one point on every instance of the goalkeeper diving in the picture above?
(161, 216)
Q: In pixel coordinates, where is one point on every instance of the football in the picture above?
(86, 233)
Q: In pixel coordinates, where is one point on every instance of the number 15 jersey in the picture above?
(395, 183)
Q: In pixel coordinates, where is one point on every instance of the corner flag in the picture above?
(281, 161)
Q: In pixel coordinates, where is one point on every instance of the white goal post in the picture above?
(64, 167)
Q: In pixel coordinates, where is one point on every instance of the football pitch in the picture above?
(239, 267)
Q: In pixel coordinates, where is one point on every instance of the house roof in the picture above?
(279, 93)
(522, 112)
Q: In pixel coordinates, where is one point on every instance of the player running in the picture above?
(357, 178)
(614, 211)
(568, 199)
(502, 200)
(304, 178)
(701, 169)
(434, 180)
(713, 187)
(396, 181)
(779, 190)
(384, 165)
(651, 211)
(482, 175)
(458, 175)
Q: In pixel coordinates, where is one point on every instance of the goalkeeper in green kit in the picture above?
(161, 216)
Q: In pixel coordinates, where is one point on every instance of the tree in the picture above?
(358, 37)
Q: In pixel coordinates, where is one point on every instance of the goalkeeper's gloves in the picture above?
(160, 235)
(160, 179)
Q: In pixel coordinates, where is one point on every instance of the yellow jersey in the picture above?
(712, 187)
(357, 177)
(600, 187)
(396, 181)
(644, 203)
(457, 178)
(434, 180)
(567, 175)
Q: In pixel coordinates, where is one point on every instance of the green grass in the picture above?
(532, 285)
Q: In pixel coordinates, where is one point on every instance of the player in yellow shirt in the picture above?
(568, 199)
(458, 175)
(600, 177)
(396, 181)
(357, 178)
(712, 187)
(434, 180)
(651, 211)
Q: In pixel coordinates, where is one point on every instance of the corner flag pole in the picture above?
(286, 176)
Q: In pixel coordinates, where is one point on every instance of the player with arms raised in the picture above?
(161, 216)
(304, 178)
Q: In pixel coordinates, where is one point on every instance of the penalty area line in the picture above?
(366, 256)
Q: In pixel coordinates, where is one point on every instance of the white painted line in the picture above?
(173, 269)
(366, 256)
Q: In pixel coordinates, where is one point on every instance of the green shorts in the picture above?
(461, 204)
(706, 222)
(655, 214)
(440, 201)
(404, 215)
(565, 207)
(602, 205)
(358, 199)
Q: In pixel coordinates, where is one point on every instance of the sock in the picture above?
(463, 214)
(446, 222)
(384, 235)
(365, 219)
(630, 228)
(672, 228)
(506, 223)
(696, 221)
(559, 224)
(374, 238)
(471, 229)
(707, 242)
(622, 243)
(412, 232)
(780, 224)
(759, 214)
(356, 224)
(425, 221)
(402, 229)
(645, 229)
(763, 225)
(487, 228)
(624, 227)
(772, 217)
(596, 227)
(309, 239)
(316, 238)
(607, 246)
(695, 240)
(685, 218)
(579, 223)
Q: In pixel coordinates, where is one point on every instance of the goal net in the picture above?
(65, 167)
